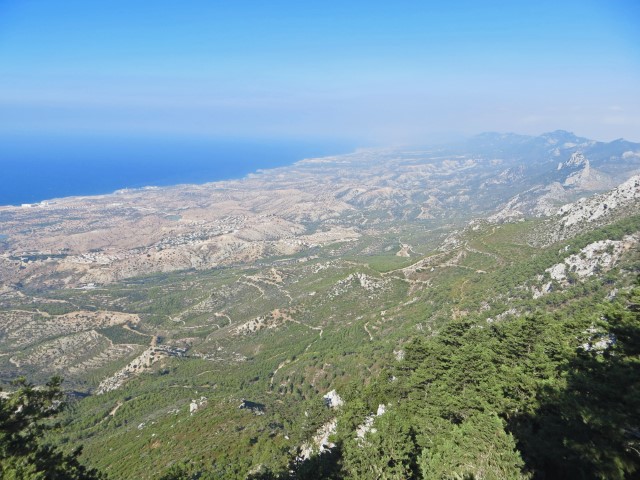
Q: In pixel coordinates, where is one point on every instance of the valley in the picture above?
(332, 275)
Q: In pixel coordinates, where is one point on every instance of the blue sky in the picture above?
(373, 72)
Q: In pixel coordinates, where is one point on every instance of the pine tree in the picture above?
(25, 415)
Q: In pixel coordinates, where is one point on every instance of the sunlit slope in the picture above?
(340, 327)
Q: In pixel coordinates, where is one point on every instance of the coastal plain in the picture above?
(166, 308)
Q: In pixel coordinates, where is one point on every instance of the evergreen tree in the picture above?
(25, 415)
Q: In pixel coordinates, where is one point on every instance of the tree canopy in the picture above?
(25, 415)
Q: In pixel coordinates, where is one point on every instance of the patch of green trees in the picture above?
(25, 416)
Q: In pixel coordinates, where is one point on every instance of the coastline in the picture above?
(35, 176)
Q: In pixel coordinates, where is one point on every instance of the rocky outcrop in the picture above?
(138, 365)
(196, 405)
(320, 442)
(588, 210)
(369, 284)
(540, 201)
(589, 213)
(572, 178)
(598, 341)
(588, 179)
(273, 319)
(596, 257)
(333, 400)
(367, 425)
(577, 160)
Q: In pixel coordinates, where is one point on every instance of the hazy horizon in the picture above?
(363, 72)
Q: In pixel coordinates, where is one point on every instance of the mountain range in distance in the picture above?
(464, 310)
(289, 210)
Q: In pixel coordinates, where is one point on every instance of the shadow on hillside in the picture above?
(326, 465)
(591, 428)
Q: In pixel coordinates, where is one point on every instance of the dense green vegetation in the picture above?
(25, 415)
(536, 397)
(541, 396)
(479, 379)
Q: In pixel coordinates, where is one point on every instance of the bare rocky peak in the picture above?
(577, 159)
(593, 208)
(572, 178)
(589, 179)
(591, 212)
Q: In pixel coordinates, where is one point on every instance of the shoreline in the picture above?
(37, 179)
(254, 174)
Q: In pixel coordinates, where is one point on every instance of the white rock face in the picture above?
(588, 213)
(543, 200)
(598, 341)
(593, 208)
(577, 160)
(195, 405)
(367, 425)
(588, 178)
(540, 201)
(503, 315)
(370, 284)
(579, 177)
(558, 271)
(601, 344)
(597, 256)
(333, 400)
(320, 442)
(399, 354)
(543, 290)
(139, 364)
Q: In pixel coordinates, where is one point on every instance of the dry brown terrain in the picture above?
(81, 241)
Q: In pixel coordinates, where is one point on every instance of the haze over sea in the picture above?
(57, 166)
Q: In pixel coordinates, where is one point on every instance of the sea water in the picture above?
(37, 168)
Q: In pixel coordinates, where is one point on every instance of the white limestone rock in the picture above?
(333, 400)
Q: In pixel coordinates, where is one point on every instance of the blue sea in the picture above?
(33, 169)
